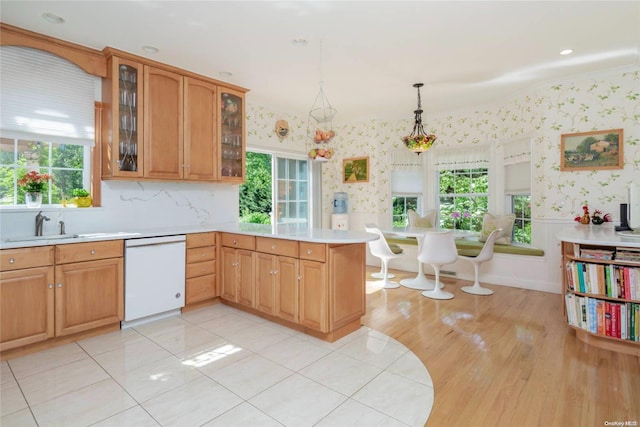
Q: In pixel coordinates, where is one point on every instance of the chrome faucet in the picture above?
(62, 230)
(39, 220)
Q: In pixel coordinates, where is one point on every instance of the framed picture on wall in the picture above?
(600, 149)
(355, 169)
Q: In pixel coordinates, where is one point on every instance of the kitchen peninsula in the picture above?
(311, 280)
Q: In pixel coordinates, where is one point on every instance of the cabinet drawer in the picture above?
(200, 288)
(240, 241)
(201, 268)
(201, 254)
(89, 251)
(16, 259)
(197, 240)
(277, 246)
(313, 251)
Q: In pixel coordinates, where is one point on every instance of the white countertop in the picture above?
(604, 234)
(315, 235)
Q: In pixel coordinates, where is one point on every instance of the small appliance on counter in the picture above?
(340, 217)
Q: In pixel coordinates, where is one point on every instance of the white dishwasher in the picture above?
(154, 278)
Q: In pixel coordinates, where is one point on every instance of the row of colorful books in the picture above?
(628, 254)
(613, 319)
(616, 281)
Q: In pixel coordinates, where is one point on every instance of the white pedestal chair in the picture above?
(396, 250)
(486, 254)
(438, 248)
(380, 248)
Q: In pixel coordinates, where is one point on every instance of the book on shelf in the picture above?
(602, 254)
(619, 320)
(627, 254)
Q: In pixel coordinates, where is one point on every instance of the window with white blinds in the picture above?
(45, 97)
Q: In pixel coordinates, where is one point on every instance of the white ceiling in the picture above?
(368, 54)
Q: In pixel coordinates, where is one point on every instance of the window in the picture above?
(517, 187)
(291, 195)
(64, 162)
(400, 205)
(463, 196)
(521, 206)
(46, 123)
(275, 180)
(406, 186)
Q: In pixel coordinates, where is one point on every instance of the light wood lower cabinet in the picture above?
(318, 286)
(53, 291)
(201, 267)
(26, 296)
(238, 269)
(88, 295)
(277, 286)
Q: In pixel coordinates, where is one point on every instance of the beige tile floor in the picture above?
(217, 366)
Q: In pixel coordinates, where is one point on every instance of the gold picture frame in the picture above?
(355, 169)
(594, 150)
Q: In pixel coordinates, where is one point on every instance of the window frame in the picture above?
(419, 203)
(475, 222)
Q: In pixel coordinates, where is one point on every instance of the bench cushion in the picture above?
(472, 247)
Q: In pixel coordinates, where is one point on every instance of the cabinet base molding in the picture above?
(608, 343)
(337, 333)
(330, 336)
(55, 342)
(201, 304)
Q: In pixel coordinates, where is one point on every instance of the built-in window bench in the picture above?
(470, 246)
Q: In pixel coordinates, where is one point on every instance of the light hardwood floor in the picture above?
(508, 359)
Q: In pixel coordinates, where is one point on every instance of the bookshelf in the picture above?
(601, 288)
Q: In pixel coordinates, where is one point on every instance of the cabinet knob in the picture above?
(93, 251)
(273, 246)
(12, 260)
(50, 285)
(309, 251)
(59, 285)
(178, 294)
(300, 277)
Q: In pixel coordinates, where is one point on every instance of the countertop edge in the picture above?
(315, 235)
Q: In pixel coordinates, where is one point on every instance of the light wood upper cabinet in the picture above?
(122, 120)
(232, 136)
(200, 130)
(163, 124)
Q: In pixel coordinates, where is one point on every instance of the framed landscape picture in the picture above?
(355, 169)
(600, 149)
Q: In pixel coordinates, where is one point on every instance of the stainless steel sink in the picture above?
(32, 238)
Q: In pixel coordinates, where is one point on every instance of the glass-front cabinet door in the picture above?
(124, 124)
(232, 135)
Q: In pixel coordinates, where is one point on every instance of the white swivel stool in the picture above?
(380, 248)
(438, 249)
(486, 254)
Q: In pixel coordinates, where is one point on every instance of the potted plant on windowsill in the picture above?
(34, 184)
(82, 198)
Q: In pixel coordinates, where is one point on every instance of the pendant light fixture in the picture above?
(320, 123)
(418, 141)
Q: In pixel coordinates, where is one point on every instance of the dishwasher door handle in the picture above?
(150, 241)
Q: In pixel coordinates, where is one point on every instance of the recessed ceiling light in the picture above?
(150, 49)
(54, 19)
(299, 42)
(566, 52)
(225, 74)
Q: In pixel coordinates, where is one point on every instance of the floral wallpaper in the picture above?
(606, 100)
